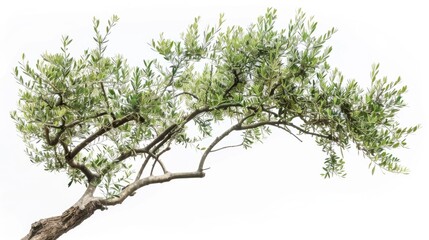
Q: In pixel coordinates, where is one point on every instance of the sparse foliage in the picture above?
(107, 124)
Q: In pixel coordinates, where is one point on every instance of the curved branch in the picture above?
(85, 170)
(139, 174)
(99, 133)
(209, 149)
(133, 187)
(157, 160)
(186, 93)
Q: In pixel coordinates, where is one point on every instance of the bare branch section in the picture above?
(330, 137)
(147, 181)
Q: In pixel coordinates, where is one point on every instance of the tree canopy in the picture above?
(107, 124)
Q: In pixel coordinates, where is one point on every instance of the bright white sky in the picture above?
(273, 191)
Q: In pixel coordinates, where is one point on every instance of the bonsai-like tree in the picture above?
(108, 125)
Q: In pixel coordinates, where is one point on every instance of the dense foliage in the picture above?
(104, 122)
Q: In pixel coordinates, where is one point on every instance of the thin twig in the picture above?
(107, 100)
(210, 83)
(231, 146)
(220, 138)
(330, 137)
(186, 93)
(153, 167)
(156, 158)
(286, 130)
(140, 172)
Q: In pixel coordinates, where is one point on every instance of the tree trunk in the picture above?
(53, 227)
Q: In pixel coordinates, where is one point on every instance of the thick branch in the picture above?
(147, 181)
(52, 228)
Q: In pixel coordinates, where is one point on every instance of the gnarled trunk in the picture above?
(53, 227)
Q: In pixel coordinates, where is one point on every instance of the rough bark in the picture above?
(53, 227)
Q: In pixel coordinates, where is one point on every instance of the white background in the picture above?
(273, 191)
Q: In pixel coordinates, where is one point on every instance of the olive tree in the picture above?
(107, 125)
